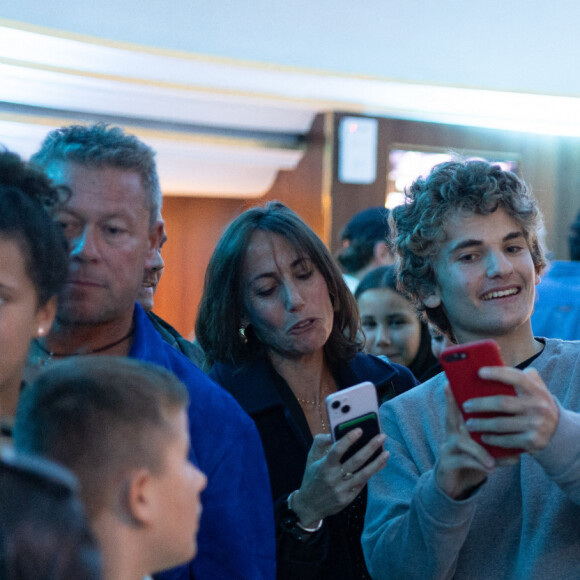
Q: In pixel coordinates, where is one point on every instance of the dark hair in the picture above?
(221, 307)
(26, 197)
(381, 277)
(100, 145)
(363, 231)
(44, 533)
(477, 187)
(99, 416)
(386, 277)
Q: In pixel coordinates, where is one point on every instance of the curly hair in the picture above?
(221, 307)
(27, 200)
(418, 226)
(100, 145)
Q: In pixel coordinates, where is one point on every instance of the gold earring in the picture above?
(242, 333)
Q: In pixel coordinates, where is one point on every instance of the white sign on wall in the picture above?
(357, 150)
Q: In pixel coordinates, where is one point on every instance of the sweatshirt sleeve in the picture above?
(561, 457)
(412, 529)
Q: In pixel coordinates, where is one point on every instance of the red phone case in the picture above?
(461, 363)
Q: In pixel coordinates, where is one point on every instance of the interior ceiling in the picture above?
(226, 91)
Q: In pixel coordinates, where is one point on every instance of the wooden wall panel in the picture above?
(302, 189)
(193, 227)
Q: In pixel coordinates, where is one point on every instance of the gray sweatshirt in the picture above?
(522, 523)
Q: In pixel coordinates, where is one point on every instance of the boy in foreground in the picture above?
(120, 426)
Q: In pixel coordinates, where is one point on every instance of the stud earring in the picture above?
(242, 333)
(41, 331)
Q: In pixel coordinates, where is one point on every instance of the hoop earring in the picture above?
(242, 333)
(333, 301)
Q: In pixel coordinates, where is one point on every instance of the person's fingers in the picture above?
(357, 461)
(320, 447)
(526, 421)
(526, 382)
(458, 441)
(365, 473)
(341, 446)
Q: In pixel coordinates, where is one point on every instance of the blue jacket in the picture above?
(334, 552)
(557, 308)
(236, 535)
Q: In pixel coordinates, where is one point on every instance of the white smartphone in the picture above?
(353, 407)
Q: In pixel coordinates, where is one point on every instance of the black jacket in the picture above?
(335, 551)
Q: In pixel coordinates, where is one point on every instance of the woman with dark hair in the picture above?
(391, 324)
(33, 269)
(280, 331)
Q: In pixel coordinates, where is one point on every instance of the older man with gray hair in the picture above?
(111, 223)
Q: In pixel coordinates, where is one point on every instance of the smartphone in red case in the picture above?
(461, 364)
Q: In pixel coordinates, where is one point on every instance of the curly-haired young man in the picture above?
(470, 257)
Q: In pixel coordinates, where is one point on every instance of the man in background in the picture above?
(120, 426)
(146, 297)
(557, 308)
(364, 245)
(111, 222)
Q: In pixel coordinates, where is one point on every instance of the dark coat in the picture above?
(335, 551)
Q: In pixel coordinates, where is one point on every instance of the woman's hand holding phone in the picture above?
(325, 490)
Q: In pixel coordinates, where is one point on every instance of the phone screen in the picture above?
(369, 424)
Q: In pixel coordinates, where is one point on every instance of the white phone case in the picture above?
(350, 404)
(353, 407)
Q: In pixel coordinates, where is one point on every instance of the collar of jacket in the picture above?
(252, 384)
